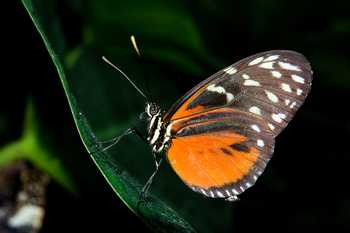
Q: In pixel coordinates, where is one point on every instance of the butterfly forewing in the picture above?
(272, 85)
(223, 129)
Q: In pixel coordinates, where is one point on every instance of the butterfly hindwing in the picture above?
(220, 153)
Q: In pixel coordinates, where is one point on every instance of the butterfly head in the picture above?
(152, 116)
(152, 109)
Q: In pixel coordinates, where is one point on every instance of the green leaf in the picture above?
(103, 105)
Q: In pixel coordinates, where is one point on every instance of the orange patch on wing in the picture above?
(183, 111)
(178, 123)
(200, 161)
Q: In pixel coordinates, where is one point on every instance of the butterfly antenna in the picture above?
(140, 60)
(118, 69)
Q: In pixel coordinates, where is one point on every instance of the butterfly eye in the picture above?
(152, 109)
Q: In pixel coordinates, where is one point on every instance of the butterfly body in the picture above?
(158, 131)
(220, 136)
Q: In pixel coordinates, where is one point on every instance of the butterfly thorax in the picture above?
(158, 132)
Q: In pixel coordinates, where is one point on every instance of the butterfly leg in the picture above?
(115, 140)
(111, 142)
(157, 160)
(148, 184)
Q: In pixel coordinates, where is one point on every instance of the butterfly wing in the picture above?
(223, 129)
(271, 85)
(220, 153)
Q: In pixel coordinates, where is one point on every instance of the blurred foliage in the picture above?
(182, 42)
(34, 147)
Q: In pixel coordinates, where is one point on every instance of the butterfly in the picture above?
(220, 135)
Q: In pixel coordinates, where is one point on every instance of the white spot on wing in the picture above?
(276, 74)
(211, 193)
(286, 87)
(271, 58)
(217, 89)
(299, 91)
(230, 70)
(260, 143)
(271, 126)
(251, 82)
(229, 97)
(286, 101)
(267, 65)
(221, 90)
(293, 104)
(219, 194)
(298, 78)
(255, 110)
(278, 117)
(245, 76)
(256, 128)
(235, 191)
(271, 96)
(288, 66)
(255, 61)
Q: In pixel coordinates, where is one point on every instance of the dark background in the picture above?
(305, 186)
